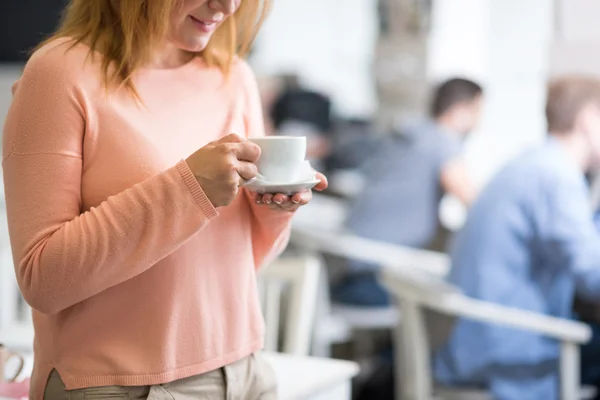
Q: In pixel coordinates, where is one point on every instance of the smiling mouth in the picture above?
(204, 26)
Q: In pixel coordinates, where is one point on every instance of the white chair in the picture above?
(337, 322)
(298, 277)
(16, 328)
(13, 309)
(417, 294)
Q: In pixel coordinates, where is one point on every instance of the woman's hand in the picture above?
(283, 202)
(221, 167)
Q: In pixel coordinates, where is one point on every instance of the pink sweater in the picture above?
(134, 277)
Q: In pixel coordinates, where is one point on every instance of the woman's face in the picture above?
(193, 22)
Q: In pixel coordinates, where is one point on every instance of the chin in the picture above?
(196, 47)
(193, 44)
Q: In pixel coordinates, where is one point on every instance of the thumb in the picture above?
(231, 138)
(322, 185)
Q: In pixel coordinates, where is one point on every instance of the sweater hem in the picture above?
(80, 382)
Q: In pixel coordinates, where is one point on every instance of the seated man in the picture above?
(405, 181)
(302, 112)
(529, 242)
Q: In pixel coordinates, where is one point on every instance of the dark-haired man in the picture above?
(405, 181)
(298, 111)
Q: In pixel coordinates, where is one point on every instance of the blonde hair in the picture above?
(126, 32)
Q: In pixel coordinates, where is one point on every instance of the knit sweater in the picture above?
(134, 277)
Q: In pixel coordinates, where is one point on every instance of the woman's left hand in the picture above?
(280, 201)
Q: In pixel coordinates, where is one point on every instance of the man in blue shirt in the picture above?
(529, 242)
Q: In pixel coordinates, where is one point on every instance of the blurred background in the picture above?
(378, 60)
(348, 74)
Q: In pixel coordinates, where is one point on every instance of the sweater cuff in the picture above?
(190, 180)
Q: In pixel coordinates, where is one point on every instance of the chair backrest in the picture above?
(354, 247)
(413, 340)
(416, 294)
(294, 281)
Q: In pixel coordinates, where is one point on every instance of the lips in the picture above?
(205, 26)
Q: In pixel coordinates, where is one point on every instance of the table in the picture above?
(312, 378)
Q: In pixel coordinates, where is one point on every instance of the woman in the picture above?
(140, 267)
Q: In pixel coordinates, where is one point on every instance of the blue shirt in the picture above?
(529, 242)
(402, 195)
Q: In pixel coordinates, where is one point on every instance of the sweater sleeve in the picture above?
(270, 228)
(63, 255)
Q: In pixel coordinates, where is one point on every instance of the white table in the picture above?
(311, 378)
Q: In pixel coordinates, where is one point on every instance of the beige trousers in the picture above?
(251, 378)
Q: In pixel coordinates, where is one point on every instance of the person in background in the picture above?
(405, 181)
(530, 242)
(301, 112)
(124, 152)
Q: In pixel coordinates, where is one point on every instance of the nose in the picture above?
(227, 7)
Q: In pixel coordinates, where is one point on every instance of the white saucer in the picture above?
(260, 186)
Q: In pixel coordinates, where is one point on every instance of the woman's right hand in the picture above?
(222, 166)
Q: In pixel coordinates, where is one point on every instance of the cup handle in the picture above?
(21, 365)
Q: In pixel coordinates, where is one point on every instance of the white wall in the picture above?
(458, 41)
(577, 38)
(578, 19)
(504, 44)
(8, 75)
(329, 44)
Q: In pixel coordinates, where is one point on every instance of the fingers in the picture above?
(322, 185)
(282, 201)
(302, 198)
(240, 155)
(277, 198)
(266, 198)
(247, 151)
(231, 138)
(243, 149)
(246, 170)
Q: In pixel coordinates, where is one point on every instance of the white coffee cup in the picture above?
(286, 174)
(282, 158)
